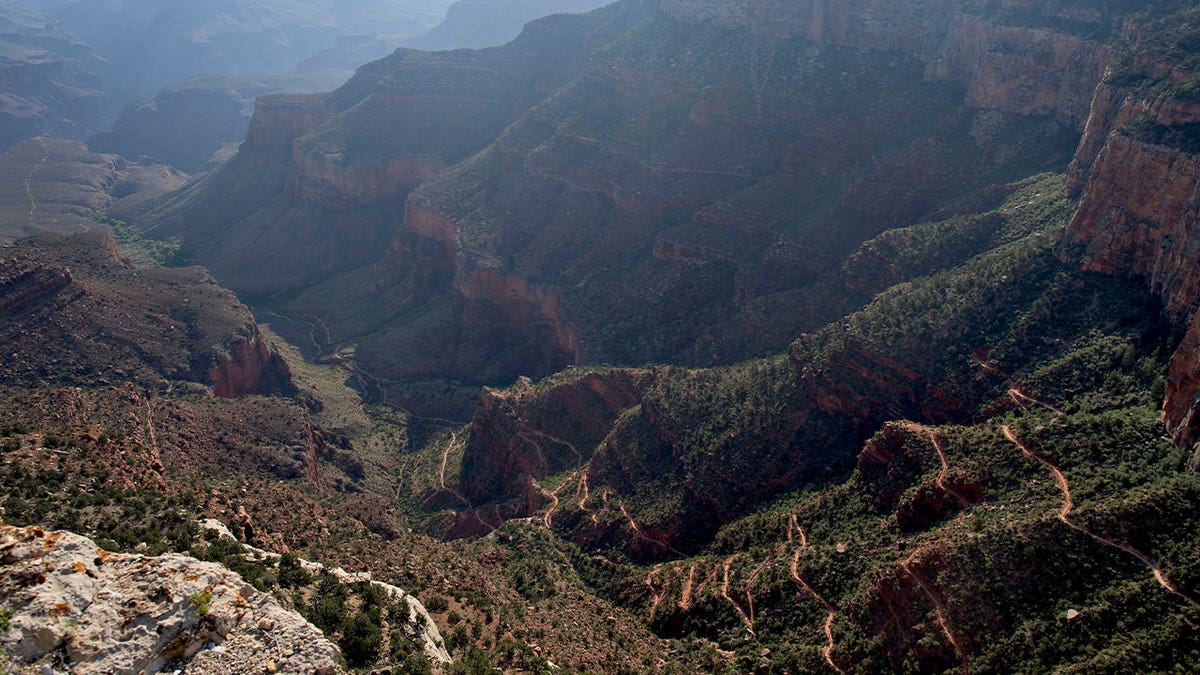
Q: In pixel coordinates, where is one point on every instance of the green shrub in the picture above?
(362, 637)
(202, 601)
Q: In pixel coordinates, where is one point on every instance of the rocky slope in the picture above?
(74, 605)
(77, 313)
(711, 183)
(52, 82)
(51, 184)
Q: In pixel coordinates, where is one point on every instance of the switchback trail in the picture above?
(1064, 516)
(827, 651)
(945, 472)
(637, 530)
(725, 594)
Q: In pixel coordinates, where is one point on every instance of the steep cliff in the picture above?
(1137, 175)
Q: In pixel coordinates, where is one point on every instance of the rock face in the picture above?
(249, 366)
(1137, 174)
(102, 612)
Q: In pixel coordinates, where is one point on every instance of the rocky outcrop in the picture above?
(73, 604)
(423, 627)
(25, 283)
(280, 120)
(521, 433)
(250, 366)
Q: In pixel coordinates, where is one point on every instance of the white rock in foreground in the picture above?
(92, 611)
(427, 633)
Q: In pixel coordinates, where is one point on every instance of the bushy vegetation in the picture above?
(160, 253)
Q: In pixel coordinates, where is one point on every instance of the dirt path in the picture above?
(685, 596)
(831, 616)
(939, 609)
(1015, 392)
(945, 472)
(725, 594)
(637, 530)
(1020, 397)
(150, 427)
(29, 182)
(445, 458)
(584, 493)
(1064, 514)
(657, 593)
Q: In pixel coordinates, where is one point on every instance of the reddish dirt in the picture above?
(945, 472)
(1064, 514)
(827, 651)
(725, 594)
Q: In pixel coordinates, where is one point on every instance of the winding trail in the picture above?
(584, 493)
(637, 530)
(1019, 396)
(939, 609)
(445, 457)
(831, 616)
(945, 472)
(29, 181)
(547, 518)
(725, 594)
(1064, 514)
(150, 427)
(1014, 391)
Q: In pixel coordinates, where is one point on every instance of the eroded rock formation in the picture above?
(106, 612)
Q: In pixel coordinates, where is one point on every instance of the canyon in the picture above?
(682, 335)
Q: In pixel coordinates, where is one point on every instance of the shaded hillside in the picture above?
(933, 437)
(76, 313)
(684, 198)
(999, 417)
(187, 123)
(474, 24)
(52, 82)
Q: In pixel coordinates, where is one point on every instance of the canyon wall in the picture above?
(1137, 175)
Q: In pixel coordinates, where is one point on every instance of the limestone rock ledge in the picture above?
(73, 604)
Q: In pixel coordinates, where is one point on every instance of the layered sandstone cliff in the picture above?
(1137, 175)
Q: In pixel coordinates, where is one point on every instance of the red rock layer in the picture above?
(1139, 216)
(239, 372)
